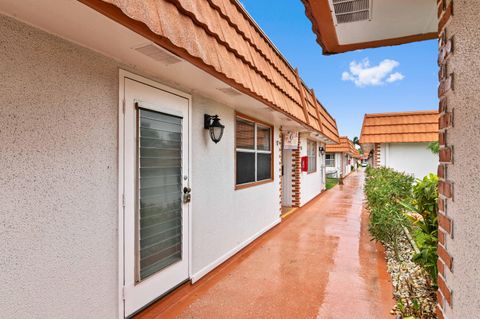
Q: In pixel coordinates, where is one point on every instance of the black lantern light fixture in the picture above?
(321, 150)
(213, 125)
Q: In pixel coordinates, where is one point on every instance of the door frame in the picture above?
(123, 74)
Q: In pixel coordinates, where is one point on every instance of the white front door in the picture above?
(287, 178)
(156, 176)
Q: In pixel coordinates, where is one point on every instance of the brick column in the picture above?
(445, 186)
(296, 171)
(376, 155)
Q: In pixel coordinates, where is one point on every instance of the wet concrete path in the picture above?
(318, 263)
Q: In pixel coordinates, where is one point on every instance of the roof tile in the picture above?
(224, 37)
(401, 127)
(344, 146)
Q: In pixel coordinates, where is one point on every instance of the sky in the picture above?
(390, 79)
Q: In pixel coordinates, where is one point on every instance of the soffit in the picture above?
(390, 22)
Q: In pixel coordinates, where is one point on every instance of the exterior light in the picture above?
(321, 150)
(215, 128)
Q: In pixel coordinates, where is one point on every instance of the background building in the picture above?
(400, 141)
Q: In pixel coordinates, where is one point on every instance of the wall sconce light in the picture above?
(321, 150)
(213, 125)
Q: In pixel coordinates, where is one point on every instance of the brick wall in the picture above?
(376, 155)
(446, 78)
(296, 171)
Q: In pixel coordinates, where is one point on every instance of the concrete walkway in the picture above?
(318, 263)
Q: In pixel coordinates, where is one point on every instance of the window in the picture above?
(253, 151)
(312, 156)
(330, 160)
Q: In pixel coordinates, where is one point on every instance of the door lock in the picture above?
(187, 196)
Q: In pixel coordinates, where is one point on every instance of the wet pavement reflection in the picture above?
(318, 263)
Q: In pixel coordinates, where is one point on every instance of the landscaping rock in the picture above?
(412, 285)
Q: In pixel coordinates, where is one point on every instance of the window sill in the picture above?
(248, 185)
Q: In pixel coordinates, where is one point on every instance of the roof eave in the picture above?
(319, 14)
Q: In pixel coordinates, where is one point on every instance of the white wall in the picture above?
(311, 184)
(411, 158)
(348, 168)
(224, 218)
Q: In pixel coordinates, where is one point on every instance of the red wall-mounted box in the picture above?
(304, 163)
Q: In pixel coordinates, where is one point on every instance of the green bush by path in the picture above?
(391, 197)
(386, 190)
(425, 229)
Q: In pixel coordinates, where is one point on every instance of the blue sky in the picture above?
(405, 81)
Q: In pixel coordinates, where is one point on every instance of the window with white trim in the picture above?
(312, 156)
(253, 151)
(330, 160)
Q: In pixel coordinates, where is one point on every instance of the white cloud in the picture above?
(397, 76)
(362, 74)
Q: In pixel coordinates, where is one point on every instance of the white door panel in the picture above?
(156, 171)
(287, 178)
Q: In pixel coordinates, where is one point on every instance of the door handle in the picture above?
(187, 196)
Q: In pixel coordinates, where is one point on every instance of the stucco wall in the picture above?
(464, 135)
(411, 158)
(58, 187)
(58, 181)
(311, 183)
(224, 218)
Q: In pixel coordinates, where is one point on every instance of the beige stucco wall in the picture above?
(58, 181)
(465, 173)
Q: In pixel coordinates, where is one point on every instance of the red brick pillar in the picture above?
(296, 171)
(445, 186)
(376, 155)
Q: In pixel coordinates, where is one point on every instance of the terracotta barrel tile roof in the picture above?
(344, 146)
(221, 38)
(402, 127)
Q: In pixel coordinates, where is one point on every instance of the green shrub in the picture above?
(425, 232)
(386, 191)
(434, 147)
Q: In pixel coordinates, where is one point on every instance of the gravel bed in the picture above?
(412, 286)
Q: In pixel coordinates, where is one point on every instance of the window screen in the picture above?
(253, 151)
(312, 156)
